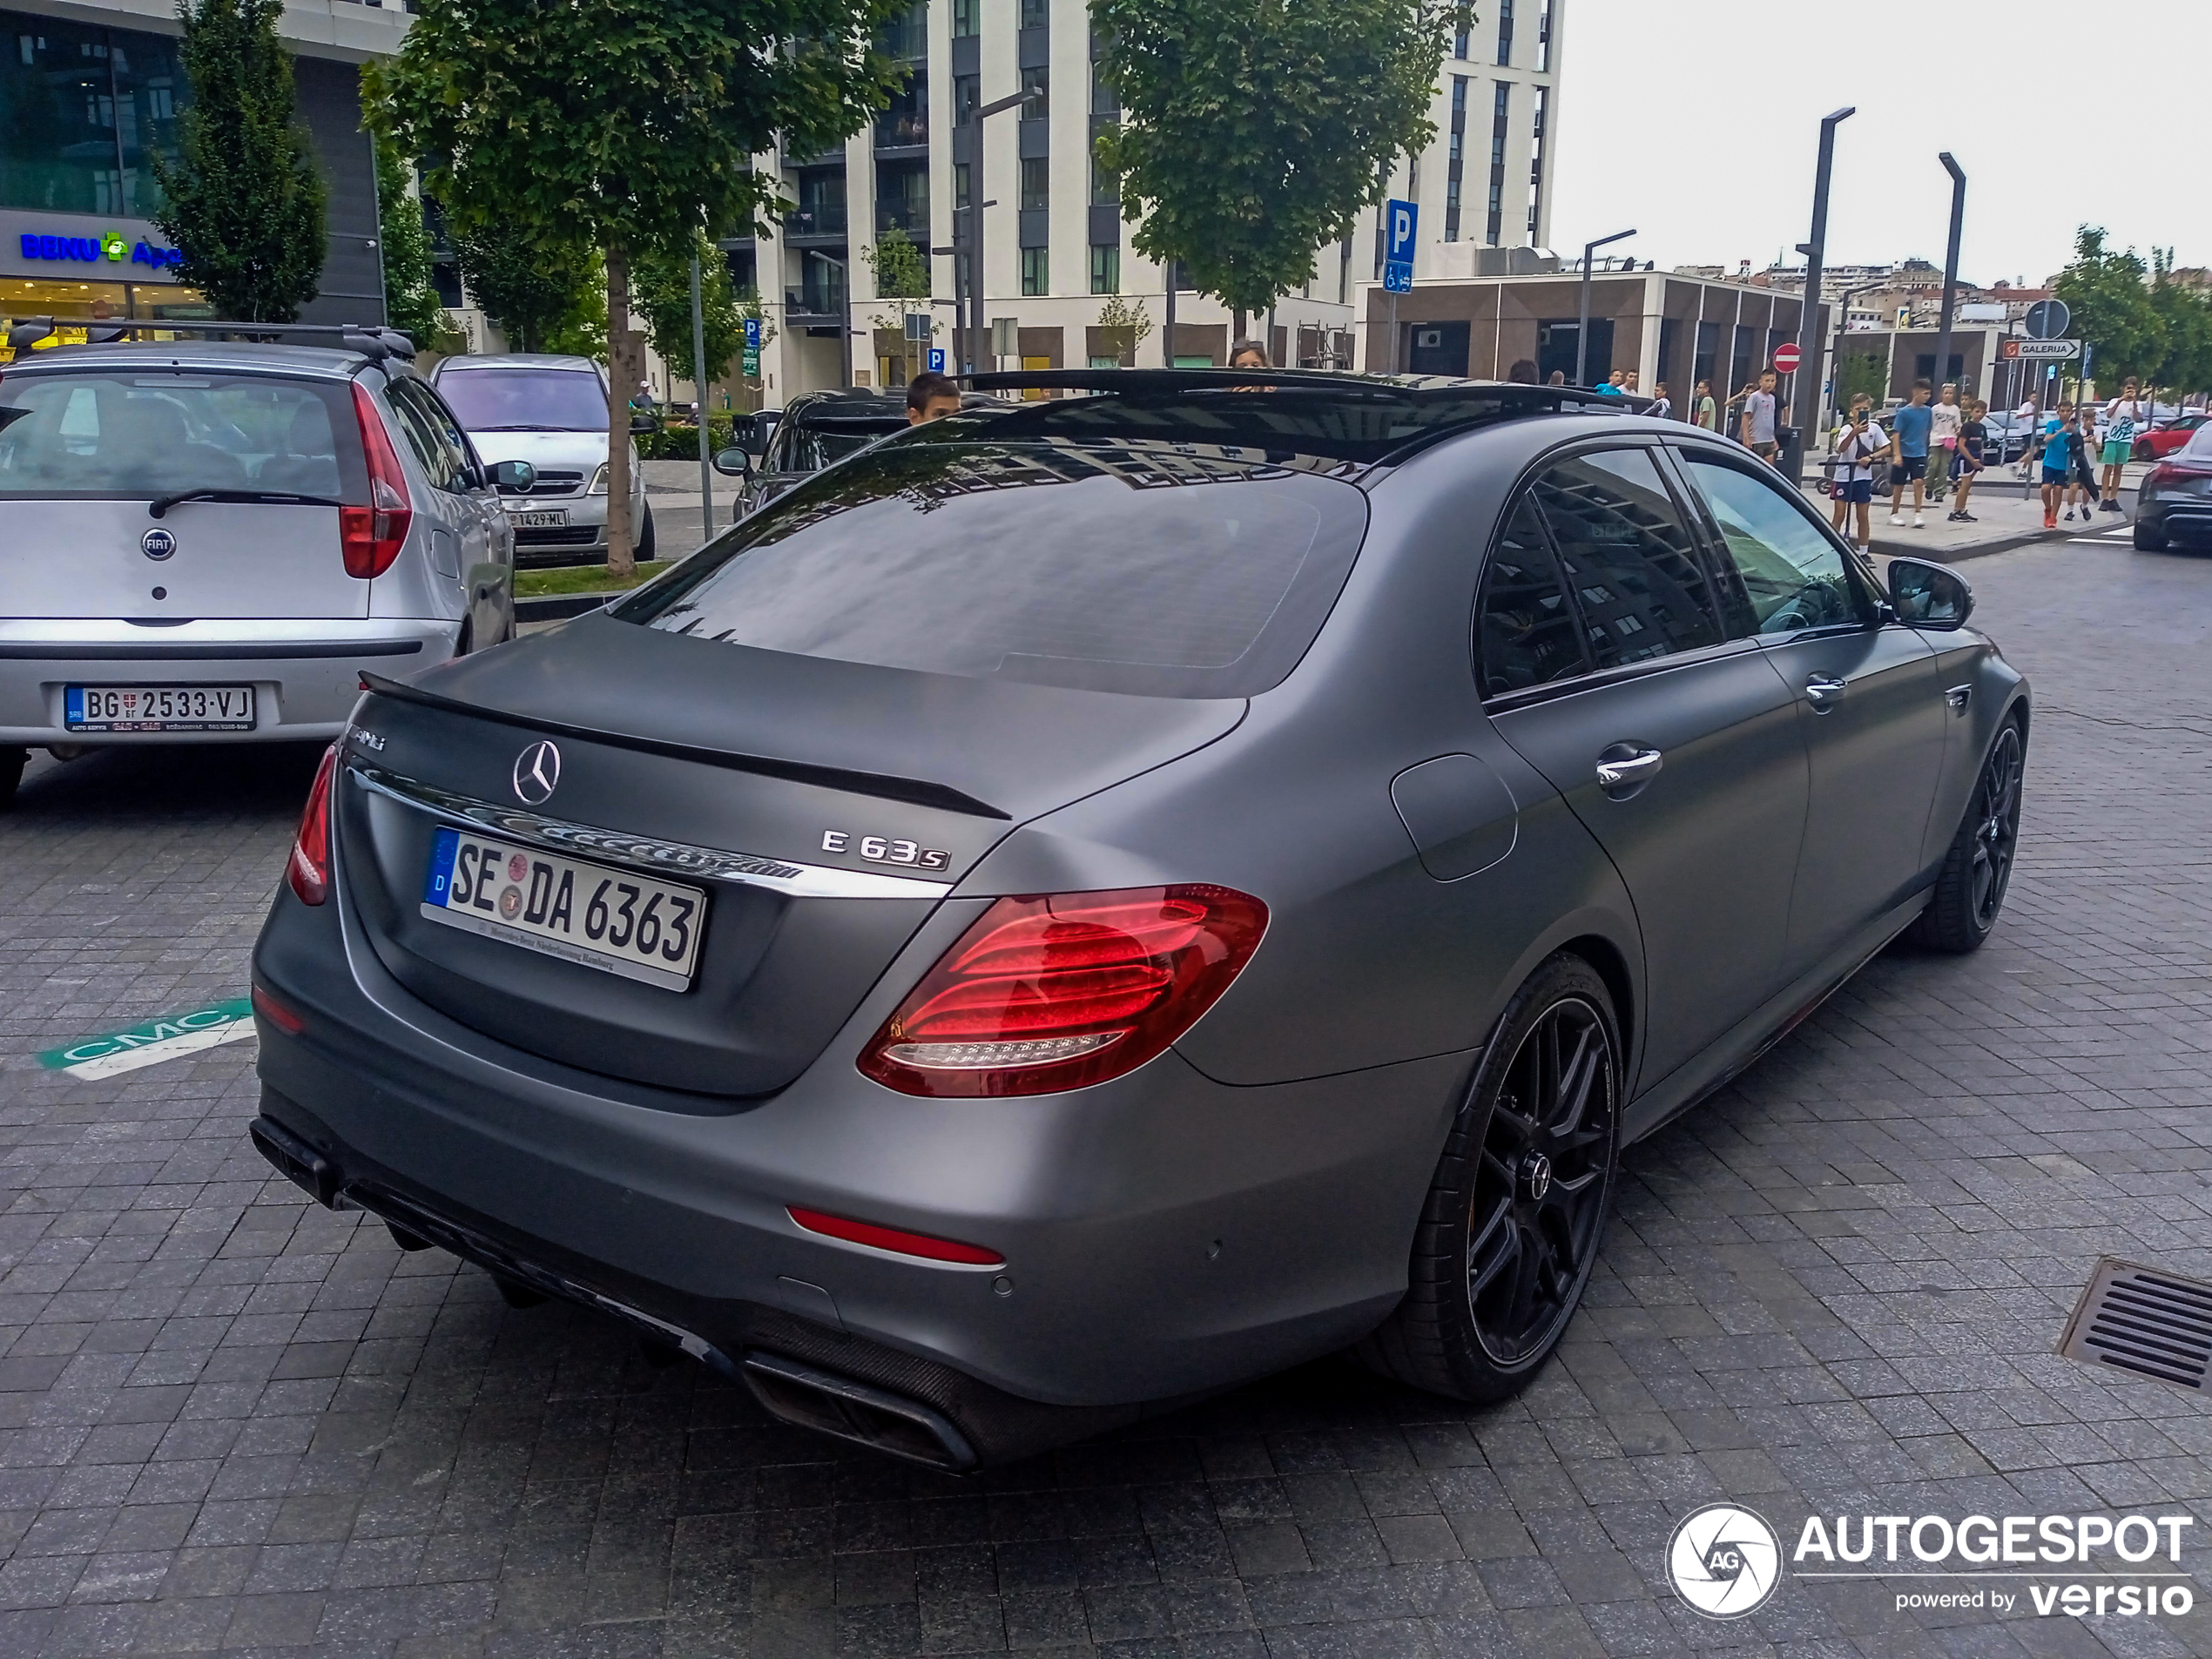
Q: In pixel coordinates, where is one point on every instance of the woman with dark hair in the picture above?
(1248, 353)
(1523, 372)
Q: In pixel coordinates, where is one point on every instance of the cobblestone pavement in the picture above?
(231, 1419)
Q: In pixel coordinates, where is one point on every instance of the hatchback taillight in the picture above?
(2175, 472)
(373, 535)
(309, 869)
(1066, 990)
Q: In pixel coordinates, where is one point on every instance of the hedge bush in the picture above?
(681, 442)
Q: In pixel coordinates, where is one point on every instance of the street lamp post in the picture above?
(1814, 249)
(1951, 270)
(1842, 325)
(977, 322)
(1582, 332)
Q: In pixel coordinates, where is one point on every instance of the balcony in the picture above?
(824, 299)
(815, 222)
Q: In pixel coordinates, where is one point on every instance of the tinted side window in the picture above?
(1792, 576)
(1528, 632)
(1626, 556)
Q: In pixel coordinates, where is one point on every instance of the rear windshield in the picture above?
(1110, 567)
(526, 400)
(132, 433)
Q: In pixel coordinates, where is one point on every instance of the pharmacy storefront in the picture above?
(77, 268)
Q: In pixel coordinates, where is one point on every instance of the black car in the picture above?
(777, 449)
(2173, 502)
(1077, 907)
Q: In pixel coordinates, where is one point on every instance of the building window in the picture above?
(1038, 82)
(960, 183)
(1455, 167)
(1544, 39)
(1036, 271)
(1037, 183)
(1103, 100)
(1536, 165)
(1505, 33)
(964, 18)
(1036, 13)
(1105, 267)
(966, 88)
(902, 199)
(1452, 207)
(1500, 113)
(1460, 45)
(1105, 184)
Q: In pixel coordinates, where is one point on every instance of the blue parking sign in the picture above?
(752, 334)
(1397, 230)
(936, 359)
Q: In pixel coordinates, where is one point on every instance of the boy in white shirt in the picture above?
(1858, 441)
(1943, 421)
(2126, 416)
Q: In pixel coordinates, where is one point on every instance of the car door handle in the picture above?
(1624, 767)
(1823, 692)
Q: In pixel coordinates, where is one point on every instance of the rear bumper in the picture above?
(1163, 1236)
(306, 673)
(2179, 515)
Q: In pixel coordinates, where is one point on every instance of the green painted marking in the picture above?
(155, 1040)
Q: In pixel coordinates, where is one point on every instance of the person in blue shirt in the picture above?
(2060, 437)
(1909, 429)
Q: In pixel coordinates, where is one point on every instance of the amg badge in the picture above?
(878, 850)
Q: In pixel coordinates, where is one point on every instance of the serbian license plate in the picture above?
(544, 517)
(157, 708)
(610, 920)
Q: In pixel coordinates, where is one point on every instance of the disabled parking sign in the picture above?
(1400, 219)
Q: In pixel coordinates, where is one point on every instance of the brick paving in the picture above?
(229, 1419)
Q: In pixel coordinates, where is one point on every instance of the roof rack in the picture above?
(371, 341)
(1154, 382)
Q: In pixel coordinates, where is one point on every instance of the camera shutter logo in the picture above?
(538, 774)
(158, 543)
(1724, 1561)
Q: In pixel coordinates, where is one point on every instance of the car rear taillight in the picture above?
(2175, 472)
(309, 869)
(1067, 990)
(371, 535)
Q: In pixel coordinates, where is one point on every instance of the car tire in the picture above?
(644, 550)
(2143, 451)
(1510, 1225)
(1969, 889)
(12, 761)
(2150, 538)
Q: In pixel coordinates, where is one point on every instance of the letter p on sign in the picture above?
(1403, 216)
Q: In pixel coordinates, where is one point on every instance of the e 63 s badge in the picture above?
(878, 849)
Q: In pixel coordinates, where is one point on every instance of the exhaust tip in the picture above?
(295, 1160)
(892, 1424)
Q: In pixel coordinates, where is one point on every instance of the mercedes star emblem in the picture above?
(537, 773)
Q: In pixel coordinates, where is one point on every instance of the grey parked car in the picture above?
(211, 541)
(1074, 908)
(550, 411)
(2173, 502)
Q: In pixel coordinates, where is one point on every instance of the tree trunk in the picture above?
(1237, 328)
(621, 563)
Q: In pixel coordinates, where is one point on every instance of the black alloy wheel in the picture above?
(1510, 1230)
(1541, 1191)
(1969, 890)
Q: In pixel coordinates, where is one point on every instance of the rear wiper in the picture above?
(531, 425)
(161, 504)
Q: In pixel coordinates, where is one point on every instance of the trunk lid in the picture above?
(210, 559)
(697, 743)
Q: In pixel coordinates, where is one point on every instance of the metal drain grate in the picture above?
(2156, 1325)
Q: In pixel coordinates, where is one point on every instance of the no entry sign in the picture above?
(1786, 358)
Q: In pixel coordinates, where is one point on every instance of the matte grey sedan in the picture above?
(1069, 910)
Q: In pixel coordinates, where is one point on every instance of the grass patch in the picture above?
(581, 578)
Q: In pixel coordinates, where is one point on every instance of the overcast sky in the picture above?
(1697, 122)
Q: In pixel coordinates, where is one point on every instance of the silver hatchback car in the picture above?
(211, 541)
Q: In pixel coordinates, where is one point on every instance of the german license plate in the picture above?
(157, 708)
(544, 517)
(615, 920)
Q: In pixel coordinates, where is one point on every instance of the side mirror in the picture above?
(734, 464)
(512, 477)
(1930, 596)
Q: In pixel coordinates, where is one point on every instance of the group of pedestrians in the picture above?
(1932, 449)
(2073, 444)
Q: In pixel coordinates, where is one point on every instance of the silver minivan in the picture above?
(211, 541)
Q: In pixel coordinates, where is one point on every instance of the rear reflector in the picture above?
(308, 869)
(276, 1014)
(892, 1238)
(1048, 993)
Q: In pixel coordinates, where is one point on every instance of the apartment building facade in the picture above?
(89, 92)
(1055, 247)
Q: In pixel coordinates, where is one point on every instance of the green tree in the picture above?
(627, 124)
(411, 303)
(662, 282)
(901, 272)
(544, 299)
(1255, 131)
(2112, 310)
(1126, 324)
(243, 202)
(1863, 372)
(2186, 316)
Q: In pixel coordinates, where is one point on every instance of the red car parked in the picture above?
(2157, 445)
